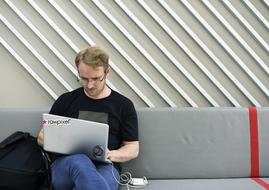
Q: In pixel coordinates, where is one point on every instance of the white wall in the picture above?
(163, 53)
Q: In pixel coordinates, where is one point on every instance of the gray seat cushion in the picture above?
(204, 184)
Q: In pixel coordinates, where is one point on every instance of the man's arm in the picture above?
(128, 151)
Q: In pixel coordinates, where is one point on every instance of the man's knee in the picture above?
(78, 161)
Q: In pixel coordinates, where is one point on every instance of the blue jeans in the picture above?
(78, 172)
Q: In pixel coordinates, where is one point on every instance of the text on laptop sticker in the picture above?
(56, 122)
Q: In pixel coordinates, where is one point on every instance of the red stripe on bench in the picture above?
(261, 182)
(254, 147)
(254, 142)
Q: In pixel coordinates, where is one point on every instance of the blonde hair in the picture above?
(93, 56)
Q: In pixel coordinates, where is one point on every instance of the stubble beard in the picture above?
(95, 93)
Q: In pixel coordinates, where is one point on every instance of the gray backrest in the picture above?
(198, 143)
(20, 119)
(263, 121)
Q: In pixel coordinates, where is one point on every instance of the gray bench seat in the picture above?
(184, 148)
(206, 184)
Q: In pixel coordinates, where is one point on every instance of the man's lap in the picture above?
(78, 170)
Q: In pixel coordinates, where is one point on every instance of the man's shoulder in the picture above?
(120, 98)
(64, 102)
(72, 94)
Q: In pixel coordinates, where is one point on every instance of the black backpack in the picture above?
(23, 164)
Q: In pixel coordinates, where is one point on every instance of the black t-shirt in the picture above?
(116, 110)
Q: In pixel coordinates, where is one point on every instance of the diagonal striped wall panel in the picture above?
(162, 53)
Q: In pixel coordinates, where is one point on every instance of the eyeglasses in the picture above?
(95, 80)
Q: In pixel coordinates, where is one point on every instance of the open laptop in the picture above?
(66, 135)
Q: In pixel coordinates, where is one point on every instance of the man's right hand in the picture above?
(40, 138)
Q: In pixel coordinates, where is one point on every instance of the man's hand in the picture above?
(40, 138)
(128, 151)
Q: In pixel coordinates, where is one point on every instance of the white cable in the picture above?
(126, 179)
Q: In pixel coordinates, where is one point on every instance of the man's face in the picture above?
(93, 79)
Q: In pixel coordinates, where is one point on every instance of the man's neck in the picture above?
(105, 93)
